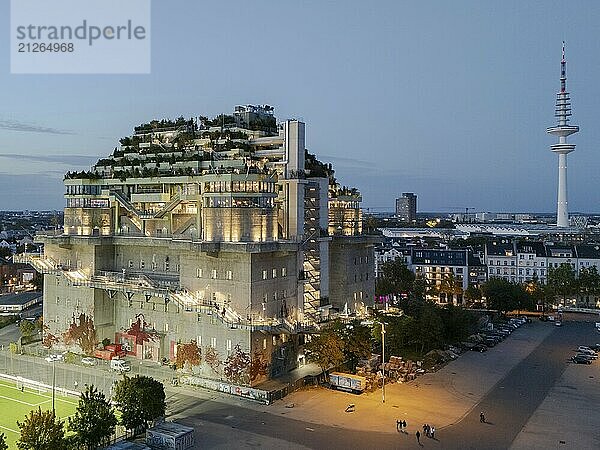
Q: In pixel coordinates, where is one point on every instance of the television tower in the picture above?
(562, 130)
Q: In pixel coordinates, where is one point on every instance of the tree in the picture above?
(211, 356)
(94, 421)
(472, 294)
(430, 328)
(396, 279)
(562, 279)
(237, 366)
(588, 283)
(27, 328)
(140, 400)
(3, 444)
(500, 294)
(357, 340)
(450, 286)
(82, 332)
(41, 431)
(188, 355)
(326, 350)
(258, 366)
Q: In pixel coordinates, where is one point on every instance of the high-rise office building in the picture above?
(406, 207)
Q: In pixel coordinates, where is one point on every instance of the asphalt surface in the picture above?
(508, 406)
(224, 422)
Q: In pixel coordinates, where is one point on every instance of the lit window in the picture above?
(142, 264)
(274, 273)
(130, 264)
(229, 275)
(264, 274)
(166, 327)
(228, 345)
(284, 272)
(213, 274)
(198, 272)
(213, 342)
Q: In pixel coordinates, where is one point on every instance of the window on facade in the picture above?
(166, 266)
(229, 345)
(274, 340)
(530, 256)
(274, 273)
(213, 274)
(284, 272)
(213, 342)
(130, 264)
(142, 264)
(154, 265)
(264, 344)
(198, 272)
(166, 327)
(229, 275)
(264, 274)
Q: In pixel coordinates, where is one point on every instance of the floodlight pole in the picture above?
(53, 385)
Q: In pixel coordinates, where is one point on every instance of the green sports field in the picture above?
(14, 405)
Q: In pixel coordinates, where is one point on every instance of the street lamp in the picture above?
(383, 362)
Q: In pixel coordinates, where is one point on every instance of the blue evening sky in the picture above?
(448, 99)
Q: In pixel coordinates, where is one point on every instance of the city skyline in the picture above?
(396, 101)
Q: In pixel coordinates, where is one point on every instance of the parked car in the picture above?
(578, 359)
(585, 349)
(52, 358)
(479, 348)
(588, 356)
(558, 323)
(87, 361)
(544, 318)
(120, 365)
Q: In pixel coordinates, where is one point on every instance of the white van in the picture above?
(120, 365)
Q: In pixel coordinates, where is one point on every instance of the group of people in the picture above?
(429, 431)
(401, 425)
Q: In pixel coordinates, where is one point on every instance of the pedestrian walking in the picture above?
(424, 428)
(427, 430)
(398, 425)
(404, 424)
(482, 417)
(432, 432)
(418, 437)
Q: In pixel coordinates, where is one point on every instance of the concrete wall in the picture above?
(352, 272)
